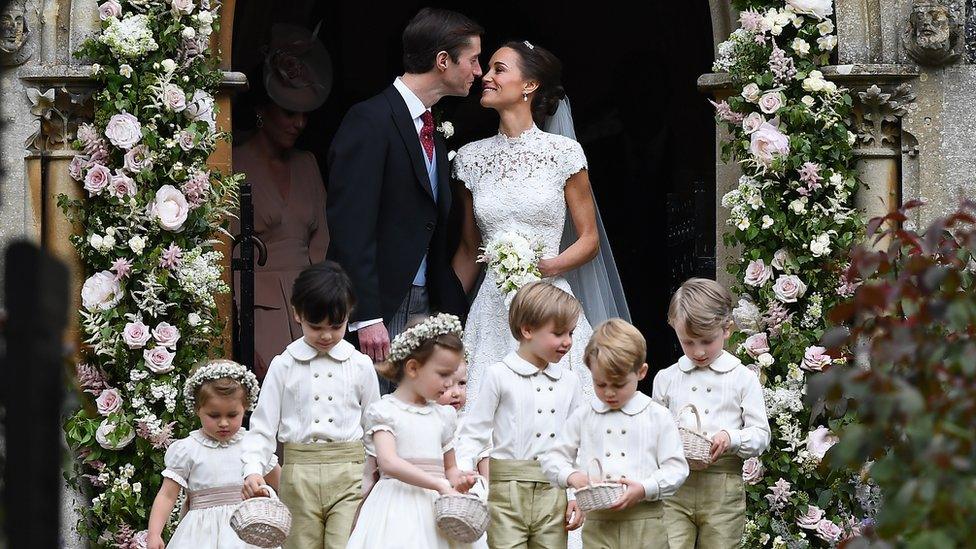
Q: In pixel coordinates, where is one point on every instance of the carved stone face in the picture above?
(932, 27)
(13, 27)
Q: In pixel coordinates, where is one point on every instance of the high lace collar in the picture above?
(407, 407)
(205, 439)
(521, 138)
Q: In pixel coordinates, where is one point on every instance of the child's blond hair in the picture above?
(701, 306)
(538, 303)
(617, 349)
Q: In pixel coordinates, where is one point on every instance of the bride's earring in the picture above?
(259, 120)
(525, 96)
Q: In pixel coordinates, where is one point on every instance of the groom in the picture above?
(389, 190)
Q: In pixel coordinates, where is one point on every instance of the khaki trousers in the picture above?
(709, 510)
(527, 512)
(641, 526)
(322, 486)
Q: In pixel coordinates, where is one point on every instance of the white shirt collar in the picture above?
(412, 408)
(415, 106)
(634, 406)
(525, 368)
(726, 362)
(205, 440)
(304, 352)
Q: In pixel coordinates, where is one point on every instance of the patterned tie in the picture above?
(427, 134)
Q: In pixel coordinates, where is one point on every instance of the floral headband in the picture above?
(409, 340)
(216, 369)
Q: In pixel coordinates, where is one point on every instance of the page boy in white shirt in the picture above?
(708, 511)
(521, 408)
(634, 438)
(313, 400)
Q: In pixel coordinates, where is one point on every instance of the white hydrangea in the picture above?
(199, 275)
(129, 37)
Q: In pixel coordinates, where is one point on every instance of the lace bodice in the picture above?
(517, 183)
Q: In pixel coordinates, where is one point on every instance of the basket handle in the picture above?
(599, 474)
(271, 493)
(694, 410)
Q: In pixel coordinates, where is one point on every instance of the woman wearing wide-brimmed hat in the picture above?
(289, 196)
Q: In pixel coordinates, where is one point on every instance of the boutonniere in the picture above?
(446, 128)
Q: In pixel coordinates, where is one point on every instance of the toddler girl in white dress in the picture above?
(412, 439)
(207, 463)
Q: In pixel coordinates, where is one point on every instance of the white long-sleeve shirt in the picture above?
(519, 412)
(728, 397)
(310, 397)
(639, 441)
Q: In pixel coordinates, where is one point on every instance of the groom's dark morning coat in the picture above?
(382, 214)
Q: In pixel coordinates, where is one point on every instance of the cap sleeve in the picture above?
(461, 167)
(572, 159)
(448, 417)
(380, 416)
(178, 462)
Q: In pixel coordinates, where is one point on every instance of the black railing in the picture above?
(243, 309)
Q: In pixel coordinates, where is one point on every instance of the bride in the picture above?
(536, 183)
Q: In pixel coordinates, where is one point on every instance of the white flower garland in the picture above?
(217, 369)
(409, 340)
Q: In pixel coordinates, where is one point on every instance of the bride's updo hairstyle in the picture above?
(539, 64)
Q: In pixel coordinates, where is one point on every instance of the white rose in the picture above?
(836, 179)
(765, 360)
(752, 122)
(135, 334)
(123, 130)
(205, 30)
(751, 92)
(821, 9)
(752, 471)
(173, 97)
(825, 27)
(781, 258)
(137, 244)
(189, 33)
(193, 319)
(201, 107)
(811, 518)
(798, 206)
(168, 65)
(829, 87)
(158, 359)
(108, 242)
(820, 246)
(137, 487)
(205, 17)
(770, 102)
(800, 46)
(105, 429)
(125, 70)
(827, 43)
(743, 224)
(166, 334)
(108, 402)
(767, 222)
(96, 242)
(789, 288)
(170, 208)
(182, 6)
(807, 100)
(757, 273)
(101, 291)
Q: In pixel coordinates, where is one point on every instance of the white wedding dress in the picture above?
(517, 184)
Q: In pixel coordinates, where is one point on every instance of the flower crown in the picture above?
(409, 340)
(216, 369)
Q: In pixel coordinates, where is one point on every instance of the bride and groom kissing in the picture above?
(390, 193)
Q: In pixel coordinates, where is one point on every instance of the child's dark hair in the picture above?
(323, 292)
(393, 369)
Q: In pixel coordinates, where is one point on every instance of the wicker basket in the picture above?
(697, 447)
(598, 495)
(262, 521)
(463, 517)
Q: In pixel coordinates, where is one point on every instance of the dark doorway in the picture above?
(630, 72)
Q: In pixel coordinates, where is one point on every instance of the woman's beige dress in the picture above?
(294, 229)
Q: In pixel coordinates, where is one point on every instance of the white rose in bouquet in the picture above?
(821, 9)
(781, 258)
(789, 288)
(97, 179)
(820, 246)
(123, 130)
(105, 429)
(101, 291)
(170, 208)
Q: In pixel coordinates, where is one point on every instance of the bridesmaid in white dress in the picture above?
(526, 180)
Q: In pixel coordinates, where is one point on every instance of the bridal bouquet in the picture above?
(514, 260)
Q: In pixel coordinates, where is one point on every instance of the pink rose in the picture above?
(173, 98)
(186, 140)
(108, 402)
(815, 359)
(768, 142)
(752, 122)
(170, 208)
(756, 344)
(136, 335)
(770, 102)
(752, 471)
(138, 159)
(122, 185)
(101, 292)
(758, 273)
(811, 518)
(182, 6)
(828, 531)
(819, 441)
(123, 130)
(166, 334)
(87, 134)
(789, 288)
(109, 10)
(76, 169)
(97, 179)
(158, 359)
